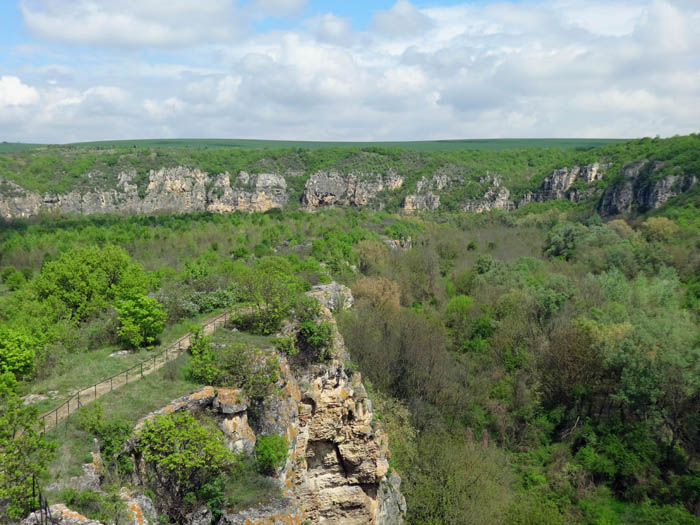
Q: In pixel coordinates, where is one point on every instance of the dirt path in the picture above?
(87, 395)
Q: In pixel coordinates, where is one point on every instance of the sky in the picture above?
(361, 70)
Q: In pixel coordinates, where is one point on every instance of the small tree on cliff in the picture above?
(181, 455)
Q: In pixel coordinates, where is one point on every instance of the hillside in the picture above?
(512, 335)
(619, 178)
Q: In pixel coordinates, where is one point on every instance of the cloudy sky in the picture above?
(73, 70)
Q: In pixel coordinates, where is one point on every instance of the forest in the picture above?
(533, 366)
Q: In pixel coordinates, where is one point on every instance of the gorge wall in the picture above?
(634, 188)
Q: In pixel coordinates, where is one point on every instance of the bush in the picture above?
(315, 339)
(270, 453)
(106, 508)
(141, 320)
(181, 456)
(17, 352)
(238, 365)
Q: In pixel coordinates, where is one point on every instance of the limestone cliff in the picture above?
(640, 187)
(336, 189)
(496, 196)
(559, 185)
(337, 468)
(169, 190)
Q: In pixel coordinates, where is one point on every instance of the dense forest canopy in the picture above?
(534, 366)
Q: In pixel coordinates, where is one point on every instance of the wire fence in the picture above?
(42, 515)
(50, 419)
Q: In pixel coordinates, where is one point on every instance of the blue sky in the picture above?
(380, 70)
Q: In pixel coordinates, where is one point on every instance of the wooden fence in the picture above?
(50, 419)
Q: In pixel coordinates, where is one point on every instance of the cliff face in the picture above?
(334, 189)
(184, 190)
(559, 184)
(174, 190)
(337, 468)
(639, 188)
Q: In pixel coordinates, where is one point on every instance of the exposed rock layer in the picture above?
(169, 190)
(638, 187)
(336, 471)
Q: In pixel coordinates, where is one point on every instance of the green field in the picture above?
(434, 145)
(7, 147)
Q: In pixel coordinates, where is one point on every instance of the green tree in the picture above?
(270, 453)
(87, 280)
(17, 351)
(180, 455)
(141, 320)
(24, 453)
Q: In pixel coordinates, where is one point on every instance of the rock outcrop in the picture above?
(59, 514)
(640, 187)
(338, 462)
(335, 189)
(559, 184)
(496, 196)
(169, 190)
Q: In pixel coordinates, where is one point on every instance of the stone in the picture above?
(202, 516)
(354, 189)
(30, 399)
(640, 189)
(60, 515)
(334, 296)
(139, 509)
(178, 189)
(120, 353)
(496, 196)
(282, 511)
(392, 504)
(230, 401)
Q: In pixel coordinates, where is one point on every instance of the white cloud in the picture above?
(551, 69)
(14, 93)
(280, 7)
(403, 19)
(132, 23)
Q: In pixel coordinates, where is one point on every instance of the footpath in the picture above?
(86, 395)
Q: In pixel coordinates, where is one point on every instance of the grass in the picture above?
(8, 147)
(427, 145)
(229, 336)
(80, 370)
(130, 403)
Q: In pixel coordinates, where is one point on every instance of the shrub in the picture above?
(315, 338)
(106, 508)
(270, 453)
(181, 456)
(287, 345)
(17, 352)
(141, 320)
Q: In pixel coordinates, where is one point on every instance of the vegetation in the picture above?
(537, 366)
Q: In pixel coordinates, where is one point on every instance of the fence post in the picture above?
(78, 398)
(56, 411)
(110, 384)
(127, 376)
(44, 419)
(141, 368)
(95, 391)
